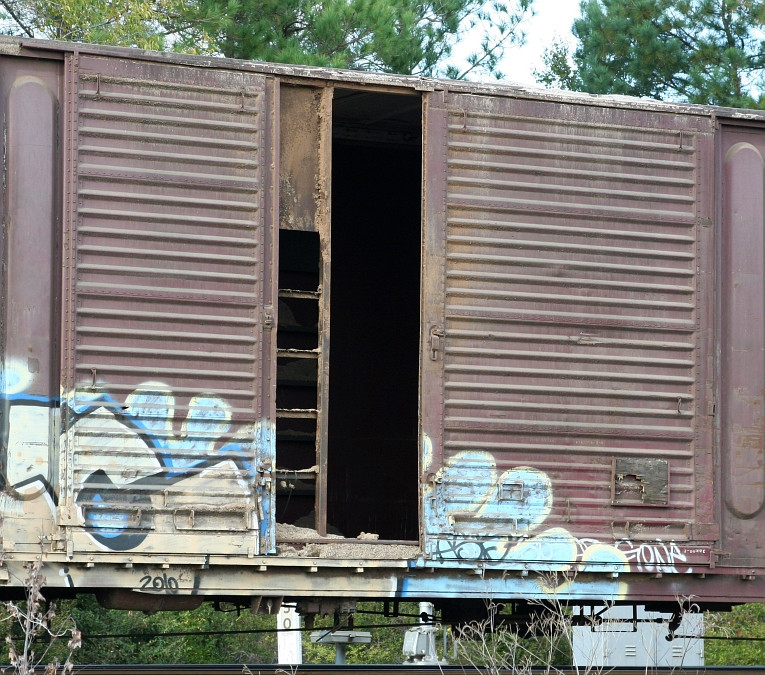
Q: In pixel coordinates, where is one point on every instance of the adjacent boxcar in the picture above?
(274, 331)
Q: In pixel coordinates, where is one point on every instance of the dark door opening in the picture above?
(373, 446)
(297, 377)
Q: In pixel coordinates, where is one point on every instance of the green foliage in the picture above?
(745, 621)
(38, 637)
(143, 638)
(499, 643)
(402, 36)
(387, 640)
(700, 51)
(136, 23)
(503, 649)
(136, 637)
(121, 636)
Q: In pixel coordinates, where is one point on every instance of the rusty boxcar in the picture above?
(274, 331)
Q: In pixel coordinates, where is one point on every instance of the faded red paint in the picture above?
(591, 321)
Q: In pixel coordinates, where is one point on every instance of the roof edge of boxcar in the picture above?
(19, 46)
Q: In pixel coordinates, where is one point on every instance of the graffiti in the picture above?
(554, 548)
(25, 433)
(16, 377)
(159, 583)
(152, 457)
(138, 453)
(470, 498)
(655, 557)
(153, 465)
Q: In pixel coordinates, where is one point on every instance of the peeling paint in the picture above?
(142, 462)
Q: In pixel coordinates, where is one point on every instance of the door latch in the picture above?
(436, 336)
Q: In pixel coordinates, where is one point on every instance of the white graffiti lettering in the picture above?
(655, 557)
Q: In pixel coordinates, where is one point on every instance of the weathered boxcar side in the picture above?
(544, 313)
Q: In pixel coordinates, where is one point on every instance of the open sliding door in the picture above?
(167, 408)
(566, 386)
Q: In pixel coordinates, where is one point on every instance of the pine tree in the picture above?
(401, 36)
(700, 51)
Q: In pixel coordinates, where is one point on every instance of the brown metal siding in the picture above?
(570, 313)
(29, 242)
(742, 362)
(165, 287)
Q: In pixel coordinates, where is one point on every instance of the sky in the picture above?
(552, 19)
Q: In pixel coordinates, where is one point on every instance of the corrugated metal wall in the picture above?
(570, 320)
(166, 278)
(742, 361)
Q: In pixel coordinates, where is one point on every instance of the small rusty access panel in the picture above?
(640, 481)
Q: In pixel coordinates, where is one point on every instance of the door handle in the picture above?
(436, 336)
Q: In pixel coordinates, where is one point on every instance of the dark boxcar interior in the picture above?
(372, 484)
(352, 289)
(297, 376)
